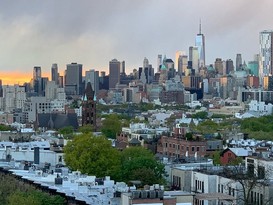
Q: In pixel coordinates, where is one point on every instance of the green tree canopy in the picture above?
(200, 115)
(138, 163)
(34, 197)
(92, 155)
(111, 126)
(86, 129)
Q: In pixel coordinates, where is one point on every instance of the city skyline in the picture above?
(93, 33)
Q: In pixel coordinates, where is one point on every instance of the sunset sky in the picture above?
(39, 33)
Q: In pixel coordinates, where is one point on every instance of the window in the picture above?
(192, 149)
(197, 149)
(187, 148)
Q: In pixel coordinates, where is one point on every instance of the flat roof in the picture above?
(214, 196)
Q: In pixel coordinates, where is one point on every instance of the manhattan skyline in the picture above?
(92, 33)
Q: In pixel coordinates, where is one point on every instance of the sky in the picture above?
(39, 33)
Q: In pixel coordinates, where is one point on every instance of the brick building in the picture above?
(177, 145)
(230, 154)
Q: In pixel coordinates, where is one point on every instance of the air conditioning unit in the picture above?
(160, 194)
(152, 194)
(135, 194)
(144, 194)
(39, 173)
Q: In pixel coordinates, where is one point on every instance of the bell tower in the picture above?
(89, 107)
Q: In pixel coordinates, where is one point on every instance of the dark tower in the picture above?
(89, 107)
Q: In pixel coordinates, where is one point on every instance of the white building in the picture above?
(13, 97)
(261, 107)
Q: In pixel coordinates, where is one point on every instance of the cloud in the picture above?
(94, 32)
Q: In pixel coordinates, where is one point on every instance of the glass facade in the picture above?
(200, 44)
(266, 53)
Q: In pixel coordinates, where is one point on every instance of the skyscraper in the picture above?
(37, 80)
(219, 66)
(229, 66)
(159, 62)
(266, 53)
(73, 79)
(37, 72)
(92, 76)
(182, 65)
(239, 62)
(145, 63)
(193, 58)
(114, 73)
(200, 44)
(177, 55)
(123, 68)
(54, 73)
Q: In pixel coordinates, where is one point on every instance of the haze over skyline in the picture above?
(39, 33)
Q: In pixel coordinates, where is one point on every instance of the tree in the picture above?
(216, 157)
(67, 132)
(200, 115)
(111, 126)
(34, 197)
(138, 163)
(86, 129)
(248, 180)
(92, 155)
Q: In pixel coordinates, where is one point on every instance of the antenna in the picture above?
(200, 26)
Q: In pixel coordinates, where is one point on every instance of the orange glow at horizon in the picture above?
(11, 78)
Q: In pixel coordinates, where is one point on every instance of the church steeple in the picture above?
(89, 107)
(89, 92)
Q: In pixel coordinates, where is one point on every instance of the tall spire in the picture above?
(200, 26)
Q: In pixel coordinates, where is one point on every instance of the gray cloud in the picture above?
(93, 32)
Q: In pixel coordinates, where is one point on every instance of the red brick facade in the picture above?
(227, 156)
(178, 147)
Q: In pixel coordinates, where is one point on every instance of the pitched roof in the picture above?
(89, 92)
(240, 152)
(135, 141)
(57, 120)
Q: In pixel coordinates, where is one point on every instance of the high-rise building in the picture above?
(239, 62)
(159, 62)
(177, 55)
(114, 73)
(219, 67)
(182, 65)
(145, 63)
(92, 76)
(193, 57)
(73, 79)
(37, 72)
(54, 73)
(200, 44)
(123, 68)
(253, 67)
(229, 66)
(37, 80)
(266, 53)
